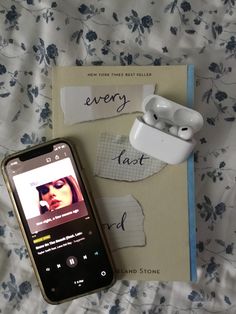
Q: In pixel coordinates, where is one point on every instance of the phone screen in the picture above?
(66, 244)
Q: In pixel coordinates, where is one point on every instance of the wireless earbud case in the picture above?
(161, 144)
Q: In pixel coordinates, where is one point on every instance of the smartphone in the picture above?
(58, 221)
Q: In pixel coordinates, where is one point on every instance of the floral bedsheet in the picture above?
(36, 35)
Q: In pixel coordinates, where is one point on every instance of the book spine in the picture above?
(191, 184)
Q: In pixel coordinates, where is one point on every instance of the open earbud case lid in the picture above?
(173, 113)
(161, 144)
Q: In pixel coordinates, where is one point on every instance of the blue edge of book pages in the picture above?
(191, 183)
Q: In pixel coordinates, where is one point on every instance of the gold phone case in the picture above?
(92, 204)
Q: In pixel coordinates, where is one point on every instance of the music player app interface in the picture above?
(63, 235)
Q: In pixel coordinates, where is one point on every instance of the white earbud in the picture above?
(152, 119)
(185, 132)
(160, 125)
(174, 130)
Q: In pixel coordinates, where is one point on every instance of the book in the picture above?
(147, 208)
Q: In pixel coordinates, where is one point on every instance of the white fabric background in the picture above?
(37, 35)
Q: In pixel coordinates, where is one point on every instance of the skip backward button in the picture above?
(71, 261)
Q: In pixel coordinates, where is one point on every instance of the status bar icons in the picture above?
(59, 147)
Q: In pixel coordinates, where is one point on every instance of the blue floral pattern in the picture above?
(38, 35)
(14, 293)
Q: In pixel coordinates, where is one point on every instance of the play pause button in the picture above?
(71, 261)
